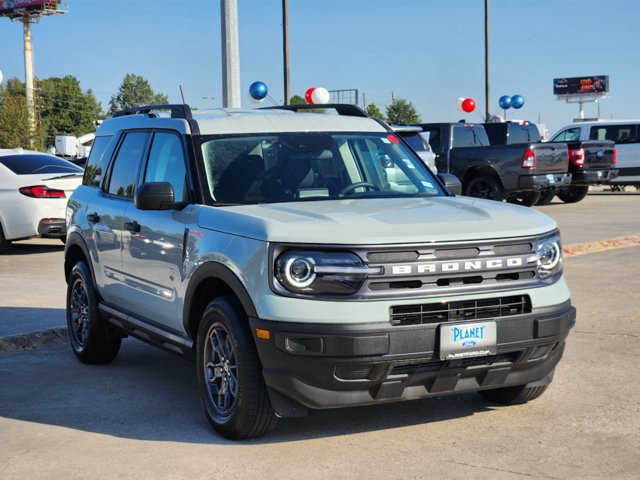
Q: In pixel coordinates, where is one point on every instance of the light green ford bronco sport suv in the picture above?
(306, 260)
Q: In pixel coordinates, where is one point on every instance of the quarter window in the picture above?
(126, 164)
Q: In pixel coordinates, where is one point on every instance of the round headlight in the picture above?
(299, 271)
(548, 255)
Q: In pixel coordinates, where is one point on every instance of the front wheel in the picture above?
(92, 340)
(573, 194)
(232, 389)
(526, 199)
(484, 186)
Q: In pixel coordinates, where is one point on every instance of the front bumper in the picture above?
(541, 182)
(327, 366)
(590, 177)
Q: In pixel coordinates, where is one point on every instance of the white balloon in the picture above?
(255, 100)
(320, 95)
(459, 104)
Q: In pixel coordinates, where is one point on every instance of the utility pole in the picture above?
(285, 49)
(487, 115)
(28, 75)
(230, 54)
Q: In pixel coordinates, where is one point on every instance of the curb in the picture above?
(33, 340)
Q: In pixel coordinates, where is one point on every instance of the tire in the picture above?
(232, 389)
(484, 186)
(63, 240)
(526, 199)
(513, 395)
(546, 196)
(4, 243)
(92, 340)
(573, 194)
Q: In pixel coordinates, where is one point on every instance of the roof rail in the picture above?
(346, 109)
(177, 110)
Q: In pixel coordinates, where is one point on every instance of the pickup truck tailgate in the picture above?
(598, 154)
(551, 157)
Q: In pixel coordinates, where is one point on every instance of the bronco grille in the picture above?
(461, 310)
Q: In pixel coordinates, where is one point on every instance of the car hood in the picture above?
(378, 221)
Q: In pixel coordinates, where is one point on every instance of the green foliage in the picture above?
(135, 91)
(401, 112)
(375, 112)
(61, 108)
(297, 100)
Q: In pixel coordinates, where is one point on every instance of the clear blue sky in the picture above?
(427, 51)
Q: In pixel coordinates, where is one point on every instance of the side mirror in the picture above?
(451, 183)
(154, 196)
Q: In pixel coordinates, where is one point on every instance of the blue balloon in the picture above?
(258, 90)
(505, 102)
(517, 101)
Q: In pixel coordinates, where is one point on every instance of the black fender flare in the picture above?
(74, 239)
(215, 271)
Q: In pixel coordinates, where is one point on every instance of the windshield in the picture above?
(309, 166)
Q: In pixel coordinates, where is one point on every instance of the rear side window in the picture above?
(125, 167)
(617, 133)
(97, 162)
(464, 136)
(34, 163)
(518, 134)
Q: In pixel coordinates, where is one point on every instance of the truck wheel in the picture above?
(573, 194)
(526, 199)
(484, 186)
(546, 196)
(232, 388)
(92, 340)
(4, 243)
(513, 395)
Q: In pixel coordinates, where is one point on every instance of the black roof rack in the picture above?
(177, 110)
(342, 108)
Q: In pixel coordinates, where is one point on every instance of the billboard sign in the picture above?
(597, 85)
(15, 7)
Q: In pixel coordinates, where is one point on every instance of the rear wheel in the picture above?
(232, 389)
(526, 199)
(484, 186)
(4, 243)
(92, 340)
(546, 196)
(573, 194)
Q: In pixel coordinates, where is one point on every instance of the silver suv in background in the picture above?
(306, 261)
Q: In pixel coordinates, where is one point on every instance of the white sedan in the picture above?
(34, 188)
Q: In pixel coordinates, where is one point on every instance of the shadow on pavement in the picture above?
(29, 248)
(24, 320)
(148, 394)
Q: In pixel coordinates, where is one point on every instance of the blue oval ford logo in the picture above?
(469, 343)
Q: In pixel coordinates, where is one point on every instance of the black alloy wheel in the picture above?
(484, 186)
(573, 194)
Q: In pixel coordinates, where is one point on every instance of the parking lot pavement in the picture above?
(141, 417)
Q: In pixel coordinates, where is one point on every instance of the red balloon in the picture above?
(468, 105)
(307, 95)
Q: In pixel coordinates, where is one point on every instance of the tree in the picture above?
(65, 108)
(134, 91)
(297, 100)
(401, 112)
(374, 111)
(14, 120)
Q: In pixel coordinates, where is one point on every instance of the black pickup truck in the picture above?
(591, 162)
(517, 169)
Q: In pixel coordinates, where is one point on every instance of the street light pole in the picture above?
(230, 54)
(486, 61)
(28, 77)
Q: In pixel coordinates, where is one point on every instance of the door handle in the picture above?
(132, 226)
(93, 218)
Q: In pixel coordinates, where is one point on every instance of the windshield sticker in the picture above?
(427, 184)
(385, 140)
(408, 163)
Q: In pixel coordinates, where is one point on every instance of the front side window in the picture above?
(310, 166)
(568, 135)
(166, 164)
(126, 164)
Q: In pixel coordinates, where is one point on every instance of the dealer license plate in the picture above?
(467, 340)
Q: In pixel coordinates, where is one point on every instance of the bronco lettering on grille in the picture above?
(462, 266)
